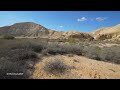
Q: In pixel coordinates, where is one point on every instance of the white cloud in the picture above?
(81, 19)
(61, 26)
(100, 19)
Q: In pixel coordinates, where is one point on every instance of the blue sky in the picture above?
(82, 21)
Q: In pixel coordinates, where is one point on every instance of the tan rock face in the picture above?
(82, 36)
(107, 33)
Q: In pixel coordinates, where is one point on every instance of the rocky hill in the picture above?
(30, 29)
(112, 33)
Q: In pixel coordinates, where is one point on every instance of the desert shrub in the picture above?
(55, 67)
(55, 48)
(7, 66)
(66, 49)
(17, 54)
(92, 52)
(28, 46)
(55, 51)
(111, 54)
(72, 40)
(23, 44)
(15, 61)
(8, 37)
(44, 52)
(75, 49)
(108, 54)
(21, 54)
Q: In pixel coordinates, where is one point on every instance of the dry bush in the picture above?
(72, 40)
(65, 49)
(8, 37)
(92, 52)
(111, 54)
(55, 67)
(108, 54)
(18, 54)
(23, 44)
(15, 61)
(7, 66)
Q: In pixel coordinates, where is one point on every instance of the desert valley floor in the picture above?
(42, 53)
(82, 68)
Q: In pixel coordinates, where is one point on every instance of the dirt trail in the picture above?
(83, 68)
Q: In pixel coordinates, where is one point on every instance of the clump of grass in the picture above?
(55, 67)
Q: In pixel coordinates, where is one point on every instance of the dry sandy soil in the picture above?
(82, 68)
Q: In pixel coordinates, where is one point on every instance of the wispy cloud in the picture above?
(60, 26)
(82, 19)
(100, 19)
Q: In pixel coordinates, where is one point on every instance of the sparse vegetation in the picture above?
(92, 52)
(55, 67)
(8, 37)
(111, 54)
(65, 49)
(72, 40)
(14, 60)
(14, 54)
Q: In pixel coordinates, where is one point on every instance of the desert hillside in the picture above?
(107, 33)
(30, 29)
(33, 30)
